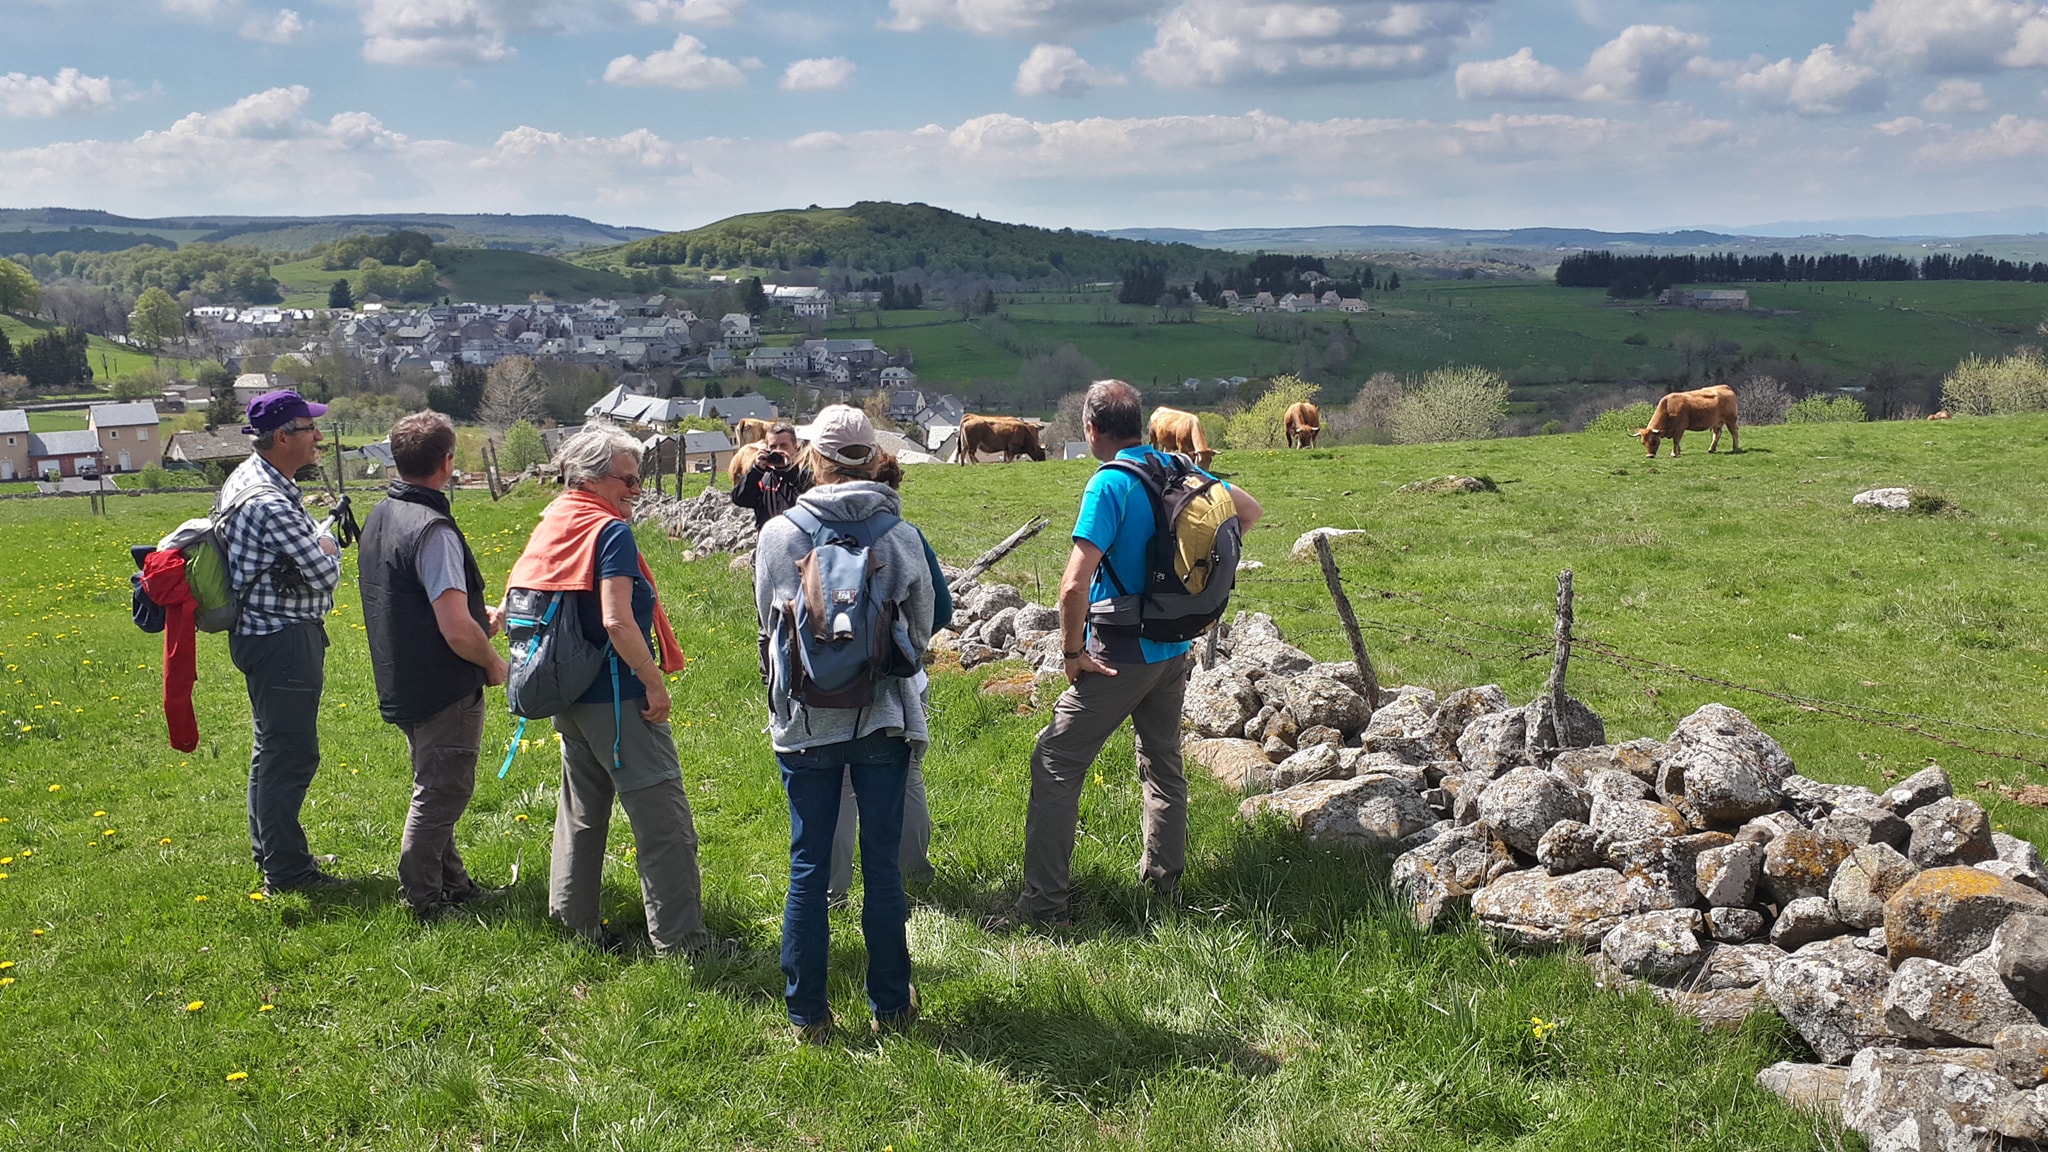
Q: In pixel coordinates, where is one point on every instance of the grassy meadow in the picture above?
(152, 1003)
(110, 361)
(480, 275)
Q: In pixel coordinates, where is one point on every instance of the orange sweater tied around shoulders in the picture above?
(561, 556)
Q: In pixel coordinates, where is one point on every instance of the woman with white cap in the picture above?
(872, 740)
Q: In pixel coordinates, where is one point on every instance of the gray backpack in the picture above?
(553, 662)
(836, 641)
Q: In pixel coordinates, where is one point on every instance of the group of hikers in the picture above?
(848, 595)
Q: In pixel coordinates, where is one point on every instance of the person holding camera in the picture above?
(771, 484)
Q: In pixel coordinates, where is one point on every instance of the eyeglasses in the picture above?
(291, 428)
(632, 481)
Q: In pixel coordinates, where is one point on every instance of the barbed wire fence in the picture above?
(1491, 643)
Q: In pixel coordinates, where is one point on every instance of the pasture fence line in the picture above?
(1488, 641)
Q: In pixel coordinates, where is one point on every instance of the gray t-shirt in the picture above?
(439, 562)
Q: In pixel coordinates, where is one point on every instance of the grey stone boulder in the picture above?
(1655, 945)
(1729, 877)
(1802, 863)
(1804, 921)
(2023, 855)
(1535, 909)
(1281, 726)
(1730, 966)
(1402, 726)
(1304, 549)
(1441, 876)
(1570, 846)
(1000, 629)
(1917, 791)
(1606, 783)
(1036, 618)
(1815, 1088)
(1343, 672)
(1456, 711)
(1940, 1005)
(1257, 650)
(1373, 812)
(1522, 805)
(1661, 871)
(1736, 925)
(1493, 743)
(1357, 762)
(1725, 767)
(1229, 761)
(1641, 759)
(1865, 880)
(1582, 729)
(984, 601)
(1889, 499)
(1768, 827)
(1219, 701)
(1832, 993)
(1320, 702)
(1949, 832)
(1636, 819)
(1323, 734)
(1937, 1100)
(1873, 825)
(2023, 1054)
(2018, 952)
(2014, 873)
(973, 654)
(1276, 749)
(1313, 762)
(1817, 799)
(1951, 914)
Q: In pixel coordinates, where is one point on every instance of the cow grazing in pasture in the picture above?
(1942, 415)
(745, 457)
(1176, 431)
(750, 429)
(1701, 409)
(998, 434)
(1304, 424)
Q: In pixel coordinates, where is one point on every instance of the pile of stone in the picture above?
(705, 523)
(1901, 936)
(995, 622)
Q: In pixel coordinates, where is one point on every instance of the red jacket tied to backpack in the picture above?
(163, 579)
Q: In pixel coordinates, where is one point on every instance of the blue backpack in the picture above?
(835, 643)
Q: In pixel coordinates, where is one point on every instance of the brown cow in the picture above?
(1176, 431)
(750, 429)
(744, 458)
(1694, 411)
(1941, 415)
(1005, 434)
(1304, 424)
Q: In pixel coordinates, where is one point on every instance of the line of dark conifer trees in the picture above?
(1654, 273)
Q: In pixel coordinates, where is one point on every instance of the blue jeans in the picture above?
(879, 765)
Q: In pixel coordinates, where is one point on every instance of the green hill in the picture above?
(877, 237)
(478, 275)
(543, 233)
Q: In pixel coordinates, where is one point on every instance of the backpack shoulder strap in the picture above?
(1146, 472)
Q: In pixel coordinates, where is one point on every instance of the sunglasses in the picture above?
(632, 481)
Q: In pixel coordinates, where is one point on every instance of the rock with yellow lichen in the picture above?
(1950, 914)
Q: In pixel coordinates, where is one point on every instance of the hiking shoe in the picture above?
(818, 1032)
(900, 1022)
(1004, 923)
(838, 900)
(476, 896)
(318, 882)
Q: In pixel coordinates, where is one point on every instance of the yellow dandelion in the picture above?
(6, 859)
(101, 812)
(237, 1077)
(108, 832)
(164, 843)
(5, 981)
(199, 899)
(521, 818)
(256, 896)
(37, 932)
(266, 1007)
(195, 1006)
(5, 965)
(56, 787)
(3, 875)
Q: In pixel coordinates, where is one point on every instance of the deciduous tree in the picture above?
(157, 319)
(19, 291)
(513, 391)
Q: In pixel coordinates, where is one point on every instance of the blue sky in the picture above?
(1615, 114)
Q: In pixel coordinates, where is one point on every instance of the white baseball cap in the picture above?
(843, 435)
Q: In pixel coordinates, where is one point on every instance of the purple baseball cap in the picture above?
(274, 410)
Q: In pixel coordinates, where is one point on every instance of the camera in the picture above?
(774, 459)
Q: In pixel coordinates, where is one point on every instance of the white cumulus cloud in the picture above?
(1517, 77)
(280, 27)
(25, 97)
(1951, 36)
(1638, 64)
(2007, 138)
(818, 74)
(1213, 42)
(448, 32)
(1057, 70)
(1052, 19)
(684, 64)
(1951, 97)
(713, 12)
(1826, 83)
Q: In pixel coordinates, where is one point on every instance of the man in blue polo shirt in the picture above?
(1110, 678)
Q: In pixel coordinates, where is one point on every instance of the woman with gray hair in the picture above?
(615, 739)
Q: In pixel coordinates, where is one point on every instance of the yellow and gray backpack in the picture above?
(1191, 561)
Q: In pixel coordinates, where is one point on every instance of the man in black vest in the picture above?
(430, 648)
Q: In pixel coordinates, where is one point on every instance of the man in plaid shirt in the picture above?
(284, 572)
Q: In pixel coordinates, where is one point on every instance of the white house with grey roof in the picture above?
(126, 434)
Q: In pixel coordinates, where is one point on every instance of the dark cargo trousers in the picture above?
(444, 749)
(1082, 721)
(286, 671)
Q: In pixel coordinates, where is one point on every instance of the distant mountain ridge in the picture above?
(526, 233)
(1354, 237)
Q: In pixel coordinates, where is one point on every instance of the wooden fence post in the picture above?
(1350, 622)
(1560, 658)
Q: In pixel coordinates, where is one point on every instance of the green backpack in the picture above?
(206, 563)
